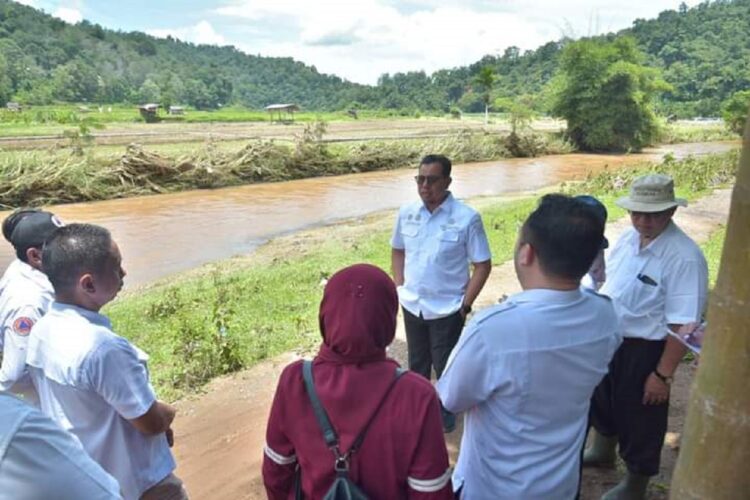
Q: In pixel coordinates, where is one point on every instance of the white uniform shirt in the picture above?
(39, 460)
(524, 371)
(665, 283)
(25, 295)
(92, 382)
(438, 248)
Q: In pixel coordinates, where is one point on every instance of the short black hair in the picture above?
(11, 221)
(444, 162)
(565, 234)
(73, 250)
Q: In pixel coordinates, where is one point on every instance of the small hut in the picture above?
(148, 112)
(13, 106)
(176, 110)
(284, 112)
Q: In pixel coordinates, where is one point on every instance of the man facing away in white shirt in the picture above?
(93, 382)
(39, 460)
(524, 370)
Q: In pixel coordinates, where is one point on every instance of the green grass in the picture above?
(240, 312)
(262, 311)
(712, 249)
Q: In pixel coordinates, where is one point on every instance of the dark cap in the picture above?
(10, 222)
(599, 210)
(34, 229)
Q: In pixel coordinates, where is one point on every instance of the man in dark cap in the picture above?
(25, 295)
(597, 274)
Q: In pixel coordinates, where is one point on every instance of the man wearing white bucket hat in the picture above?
(657, 278)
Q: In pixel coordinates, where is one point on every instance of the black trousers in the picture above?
(617, 407)
(430, 341)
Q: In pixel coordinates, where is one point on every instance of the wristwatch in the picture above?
(466, 309)
(663, 378)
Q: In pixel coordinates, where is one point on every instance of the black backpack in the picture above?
(343, 488)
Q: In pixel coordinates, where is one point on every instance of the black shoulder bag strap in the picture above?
(329, 434)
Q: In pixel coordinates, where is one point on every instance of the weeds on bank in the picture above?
(77, 174)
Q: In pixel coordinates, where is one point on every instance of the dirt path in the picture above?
(221, 432)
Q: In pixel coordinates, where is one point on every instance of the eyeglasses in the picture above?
(429, 179)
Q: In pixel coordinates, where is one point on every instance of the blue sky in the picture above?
(362, 39)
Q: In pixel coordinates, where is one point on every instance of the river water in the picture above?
(165, 234)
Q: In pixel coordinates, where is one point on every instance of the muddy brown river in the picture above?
(165, 234)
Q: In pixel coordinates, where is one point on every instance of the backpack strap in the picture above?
(329, 435)
(361, 437)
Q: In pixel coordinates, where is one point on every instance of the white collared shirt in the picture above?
(664, 283)
(438, 248)
(39, 460)
(25, 296)
(92, 382)
(524, 371)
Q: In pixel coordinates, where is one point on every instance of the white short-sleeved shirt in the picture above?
(92, 382)
(39, 460)
(524, 371)
(664, 283)
(25, 295)
(438, 248)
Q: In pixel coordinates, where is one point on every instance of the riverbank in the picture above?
(62, 176)
(232, 314)
(73, 169)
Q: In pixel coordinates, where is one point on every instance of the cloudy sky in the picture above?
(362, 39)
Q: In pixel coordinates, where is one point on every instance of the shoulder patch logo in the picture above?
(22, 326)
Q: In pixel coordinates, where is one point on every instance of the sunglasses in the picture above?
(429, 179)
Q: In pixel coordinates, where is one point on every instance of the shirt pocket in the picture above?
(409, 230)
(450, 244)
(645, 291)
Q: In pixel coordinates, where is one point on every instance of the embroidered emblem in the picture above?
(22, 326)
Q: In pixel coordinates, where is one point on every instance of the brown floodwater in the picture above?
(163, 234)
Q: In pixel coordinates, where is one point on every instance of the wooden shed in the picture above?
(284, 112)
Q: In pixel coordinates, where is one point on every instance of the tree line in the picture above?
(703, 54)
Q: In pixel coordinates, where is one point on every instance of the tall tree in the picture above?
(606, 95)
(715, 454)
(485, 80)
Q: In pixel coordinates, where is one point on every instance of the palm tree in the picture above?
(715, 454)
(485, 79)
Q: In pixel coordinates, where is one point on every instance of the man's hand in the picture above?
(170, 437)
(655, 391)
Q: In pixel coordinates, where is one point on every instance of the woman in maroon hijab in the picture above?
(403, 454)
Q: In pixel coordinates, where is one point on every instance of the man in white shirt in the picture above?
(93, 382)
(39, 460)
(25, 296)
(433, 243)
(658, 280)
(524, 370)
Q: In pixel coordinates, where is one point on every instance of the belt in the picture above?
(639, 340)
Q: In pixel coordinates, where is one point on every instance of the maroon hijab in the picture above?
(357, 315)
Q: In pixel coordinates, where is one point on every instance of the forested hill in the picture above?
(43, 59)
(704, 53)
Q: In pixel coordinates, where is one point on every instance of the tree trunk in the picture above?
(486, 114)
(714, 461)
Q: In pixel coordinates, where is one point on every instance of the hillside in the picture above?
(704, 53)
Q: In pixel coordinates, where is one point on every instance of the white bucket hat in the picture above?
(651, 193)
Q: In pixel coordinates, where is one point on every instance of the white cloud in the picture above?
(200, 33)
(362, 39)
(68, 14)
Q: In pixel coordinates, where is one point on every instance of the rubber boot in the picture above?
(601, 453)
(632, 487)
